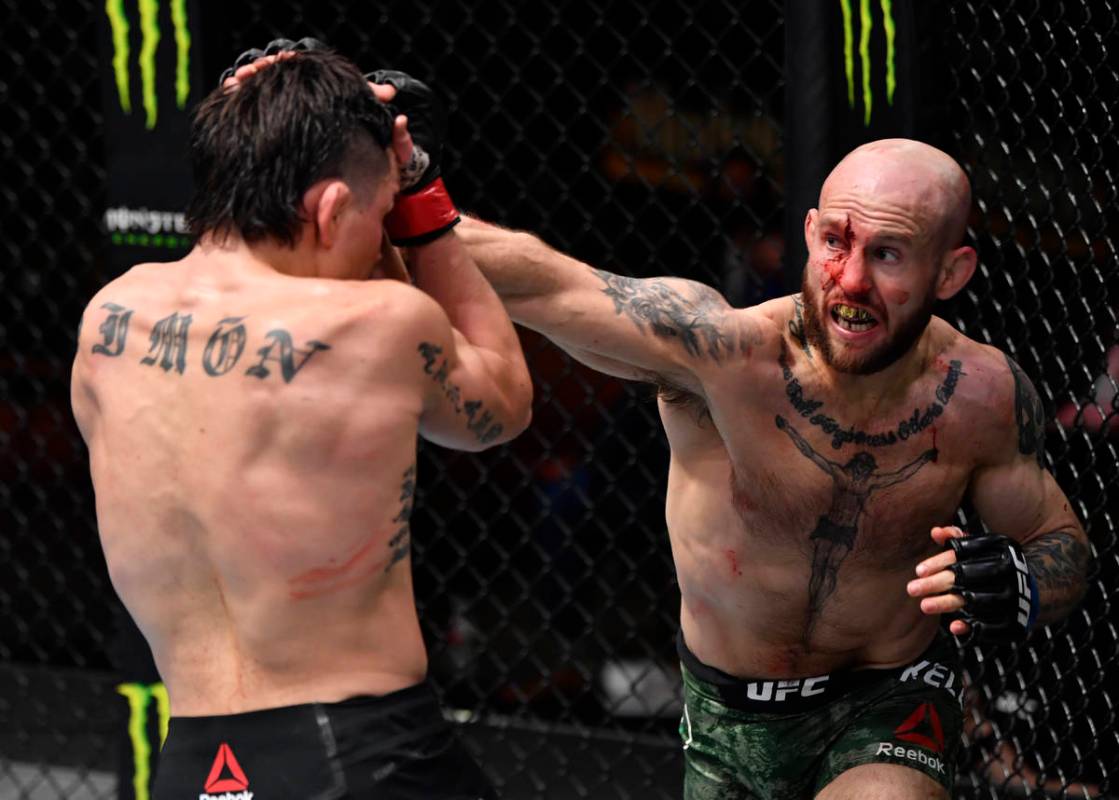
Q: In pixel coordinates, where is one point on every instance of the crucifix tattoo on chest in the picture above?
(834, 537)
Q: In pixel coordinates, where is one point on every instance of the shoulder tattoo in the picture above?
(1029, 413)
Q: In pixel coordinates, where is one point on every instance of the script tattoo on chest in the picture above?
(479, 420)
(168, 346)
(841, 434)
(401, 542)
(1030, 414)
(837, 529)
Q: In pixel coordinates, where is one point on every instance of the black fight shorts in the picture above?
(395, 747)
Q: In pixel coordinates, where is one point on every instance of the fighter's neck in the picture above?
(879, 387)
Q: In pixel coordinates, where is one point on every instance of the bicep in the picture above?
(643, 326)
(1021, 500)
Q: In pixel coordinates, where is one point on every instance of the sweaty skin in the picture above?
(254, 461)
(886, 429)
(251, 413)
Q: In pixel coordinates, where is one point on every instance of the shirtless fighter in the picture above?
(816, 441)
(252, 414)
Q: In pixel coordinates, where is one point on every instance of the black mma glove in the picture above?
(1000, 594)
(275, 46)
(423, 211)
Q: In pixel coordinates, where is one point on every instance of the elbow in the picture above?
(518, 412)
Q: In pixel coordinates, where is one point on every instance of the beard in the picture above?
(871, 361)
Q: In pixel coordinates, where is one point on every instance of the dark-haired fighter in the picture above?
(816, 440)
(252, 414)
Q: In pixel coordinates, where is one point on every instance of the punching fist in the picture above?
(423, 210)
(984, 581)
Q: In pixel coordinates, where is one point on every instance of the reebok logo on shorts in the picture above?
(226, 780)
(922, 728)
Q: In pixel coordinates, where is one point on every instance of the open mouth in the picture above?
(851, 318)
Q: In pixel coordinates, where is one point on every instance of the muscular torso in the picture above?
(252, 445)
(793, 554)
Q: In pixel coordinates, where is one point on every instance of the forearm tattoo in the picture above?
(1059, 563)
(694, 318)
(1030, 414)
(168, 346)
(480, 421)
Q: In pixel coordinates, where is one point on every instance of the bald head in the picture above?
(924, 184)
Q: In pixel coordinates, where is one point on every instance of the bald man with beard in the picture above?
(821, 446)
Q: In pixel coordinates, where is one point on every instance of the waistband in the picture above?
(940, 660)
(413, 711)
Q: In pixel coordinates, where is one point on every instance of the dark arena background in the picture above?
(646, 138)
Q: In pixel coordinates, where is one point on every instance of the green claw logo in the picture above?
(150, 35)
(139, 697)
(866, 25)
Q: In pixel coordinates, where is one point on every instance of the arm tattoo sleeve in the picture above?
(693, 317)
(1059, 563)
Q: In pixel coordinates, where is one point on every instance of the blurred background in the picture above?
(683, 138)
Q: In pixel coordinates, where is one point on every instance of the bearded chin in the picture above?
(867, 362)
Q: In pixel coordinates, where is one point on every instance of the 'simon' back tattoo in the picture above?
(168, 346)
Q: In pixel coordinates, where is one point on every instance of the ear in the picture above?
(810, 226)
(955, 271)
(325, 202)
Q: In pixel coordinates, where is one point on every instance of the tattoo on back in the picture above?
(401, 542)
(1029, 413)
(694, 321)
(834, 537)
(168, 345)
(841, 434)
(480, 421)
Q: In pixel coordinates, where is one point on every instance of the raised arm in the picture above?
(476, 394)
(640, 328)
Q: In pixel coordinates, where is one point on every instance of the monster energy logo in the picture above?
(866, 25)
(139, 696)
(150, 35)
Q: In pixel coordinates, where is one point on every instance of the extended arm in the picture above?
(657, 326)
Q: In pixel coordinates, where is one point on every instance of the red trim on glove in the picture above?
(415, 216)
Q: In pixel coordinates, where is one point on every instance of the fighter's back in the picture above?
(252, 443)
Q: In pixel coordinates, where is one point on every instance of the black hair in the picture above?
(255, 151)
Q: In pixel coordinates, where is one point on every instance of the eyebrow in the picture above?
(840, 223)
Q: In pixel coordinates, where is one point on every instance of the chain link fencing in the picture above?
(645, 139)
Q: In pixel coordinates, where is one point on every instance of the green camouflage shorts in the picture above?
(786, 740)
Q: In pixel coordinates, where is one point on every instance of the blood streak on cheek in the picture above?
(732, 559)
(833, 271)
